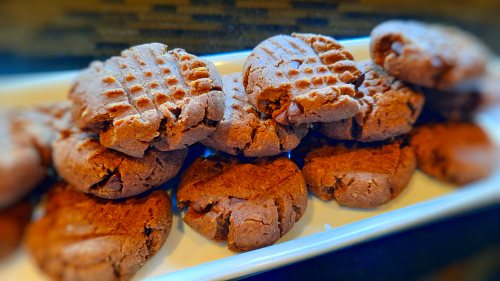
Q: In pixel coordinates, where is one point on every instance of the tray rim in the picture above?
(478, 194)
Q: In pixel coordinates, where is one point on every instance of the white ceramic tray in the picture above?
(325, 227)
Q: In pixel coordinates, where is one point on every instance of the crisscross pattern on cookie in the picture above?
(301, 78)
(387, 108)
(245, 130)
(148, 96)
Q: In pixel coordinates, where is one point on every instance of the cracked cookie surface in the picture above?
(148, 97)
(245, 130)
(301, 78)
(457, 152)
(427, 55)
(92, 168)
(25, 154)
(251, 205)
(387, 108)
(358, 174)
(82, 237)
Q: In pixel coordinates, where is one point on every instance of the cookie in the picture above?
(387, 108)
(92, 168)
(456, 152)
(245, 130)
(148, 97)
(358, 174)
(447, 106)
(25, 137)
(13, 220)
(44, 124)
(301, 78)
(429, 55)
(82, 237)
(251, 205)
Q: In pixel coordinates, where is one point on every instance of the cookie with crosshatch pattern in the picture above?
(92, 168)
(245, 130)
(387, 108)
(249, 204)
(301, 78)
(148, 97)
(25, 148)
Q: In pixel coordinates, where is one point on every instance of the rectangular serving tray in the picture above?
(325, 226)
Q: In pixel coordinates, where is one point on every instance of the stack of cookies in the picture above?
(25, 161)
(126, 131)
(248, 202)
(306, 78)
(132, 118)
(449, 67)
(411, 62)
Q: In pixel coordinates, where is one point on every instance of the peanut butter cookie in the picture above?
(429, 55)
(148, 97)
(249, 205)
(25, 152)
(362, 175)
(301, 78)
(92, 168)
(245, 130)
(387, 108)
(82, 237)
(457, 152)
(13, 220)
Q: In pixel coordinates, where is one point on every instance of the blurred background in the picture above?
(49, 35)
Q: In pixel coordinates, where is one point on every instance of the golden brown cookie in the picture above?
(359, 175)
(13, 220)
(21, 166)
(429, 55)
(25, 154)
(82, 237)
(148, 97)
(301, 78)
(91, 168)
(251, 205)
(454, 152)
(245, 130)
(446, 106)
(387, 108)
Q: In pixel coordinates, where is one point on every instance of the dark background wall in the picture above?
(51, 35)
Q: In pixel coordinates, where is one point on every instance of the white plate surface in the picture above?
(325, 226)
